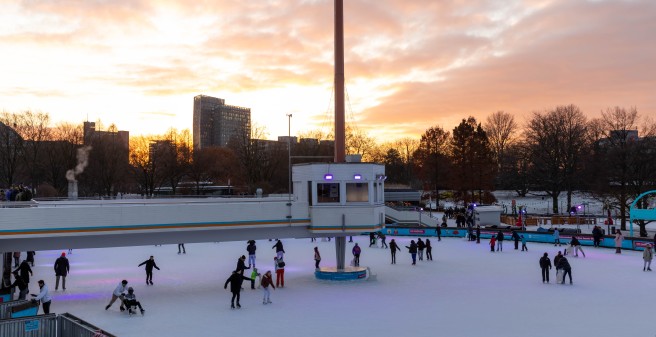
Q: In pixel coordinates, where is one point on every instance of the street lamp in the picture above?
(289, 156)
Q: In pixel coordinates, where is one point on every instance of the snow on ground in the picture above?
(465, 291)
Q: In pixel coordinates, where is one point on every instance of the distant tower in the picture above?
(215, 123)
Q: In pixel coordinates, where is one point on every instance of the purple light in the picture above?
(328, 176)
(357, 177)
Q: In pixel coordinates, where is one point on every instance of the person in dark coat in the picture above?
(372, 239)
(500, 238)
(438, 231)
(62, 268)
(420, 249)
(21, 285)
(150, 264)
(241, 265)
(429, 250)
(393, 248)
(356, 255)
(545, 264)
(25, 271)
(30, 257)
(280, 251)
(597, 235)
(235, 281)
(515, 237)
(251, 248)
(567, 269)
(413, 251)
(478, 233)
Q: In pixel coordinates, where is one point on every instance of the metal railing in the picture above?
(31, 326)
(71, 326)
(5, 308)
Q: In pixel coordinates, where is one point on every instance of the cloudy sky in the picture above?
(410, 64)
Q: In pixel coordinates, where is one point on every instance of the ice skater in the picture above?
(181, 248)
(280, 251)
(251, 248)
(22, 286)
(393, 248)
(150, 264)
(43, 296)
(235, 281)
(516, 238)
(266, 282)
(130, 300)
(567, 269)
(618, 241)
(254, 275)
(500, 238)
(556, 236)
(524, 248)
(62, 268)
(382, 237)
(317, 257)
(420, 249)
(118, 293)
(576, 246)
(647, 256)
(413, 251)
(429, 251)
(279, 266)
(493, 241)
(545, 265)
(356, 255)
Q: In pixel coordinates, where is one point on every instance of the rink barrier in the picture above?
(18, 308)
(31, 326)
(530, 236)
(7, 294)
(71, 326)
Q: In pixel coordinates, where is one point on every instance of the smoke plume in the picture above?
(82, 161)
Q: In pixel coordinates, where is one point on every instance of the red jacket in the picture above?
(267, 281)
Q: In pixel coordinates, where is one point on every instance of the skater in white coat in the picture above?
(647, 256)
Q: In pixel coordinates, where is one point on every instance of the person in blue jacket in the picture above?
(413, 251)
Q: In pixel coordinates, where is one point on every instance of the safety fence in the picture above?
(50, 325)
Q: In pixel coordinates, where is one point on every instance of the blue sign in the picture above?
(31, 326)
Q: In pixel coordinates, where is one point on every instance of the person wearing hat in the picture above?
(22, 286)
(150, 264)
(43, 296)
(241, 265)
(647, 256)
(235, 280)
(62, 269)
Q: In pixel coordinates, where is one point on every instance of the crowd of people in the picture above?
(16, 193)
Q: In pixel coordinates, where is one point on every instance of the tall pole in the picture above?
(289, 156)
(340, 149)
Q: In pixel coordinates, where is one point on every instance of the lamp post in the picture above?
(289, 156)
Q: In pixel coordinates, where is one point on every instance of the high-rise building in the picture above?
(215, 123)
(91, 134)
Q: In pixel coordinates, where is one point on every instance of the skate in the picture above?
(269, 302)
(142, 312)
(238, 306)
(107, 307)
(232, 306)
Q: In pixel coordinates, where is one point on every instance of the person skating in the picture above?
(429, 250)
(118, 293)
(515, 238)
(647, 256)
(25, 271)
(493, 241)
(356, 255)
(280, 251)
(545, 265)
(235, 281)
(576, 246)
(438, 231)
(62, 268)
(254, 275)
(23, 288)
(596, 236)
(524, 248)
(420, 249)
(130, 300)
(556, 264)
(413, 251)
(500, 238)
(266, 282)
(181, 248)
(251, 248)
(567, 269)
(43, 296)
(241, 265)
(279, 267)
(556, 236)
(393, 248)
(30, 257)
(317, 257)
(478, 233)
(16, 259)
(372, 239)
(150, 264)
(618, 241)
(382, 237)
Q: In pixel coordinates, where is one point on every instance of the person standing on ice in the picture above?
(429, 250)
(150, 264)
(43, 296)
(647, 256)
(515, 237)
(619, 238)
(478, 233)
(524, 248)
(241, 265)
(576, 246)
(413, 251)
(251, 252)
(235, 281)
(266, 282)
(279, 267)
(545, 264)
(62, 269)
(280, 251)
(420, 249)
(393, 248)
(356, 255)
(493, 241)
(556, 236)
(567, 269)
(317, 257)
(500, 238)
(118, 293)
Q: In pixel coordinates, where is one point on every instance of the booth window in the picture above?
(357, 192)
(328, 192)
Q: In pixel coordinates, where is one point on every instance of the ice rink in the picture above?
(465, 291)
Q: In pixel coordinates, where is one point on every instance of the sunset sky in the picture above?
(410, 64)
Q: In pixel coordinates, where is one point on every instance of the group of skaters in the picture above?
(264, 281)
(497, 240)
(416, 249)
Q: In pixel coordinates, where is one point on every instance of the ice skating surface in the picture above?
(465, 291)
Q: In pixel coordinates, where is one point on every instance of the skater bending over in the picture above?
(130, 300)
